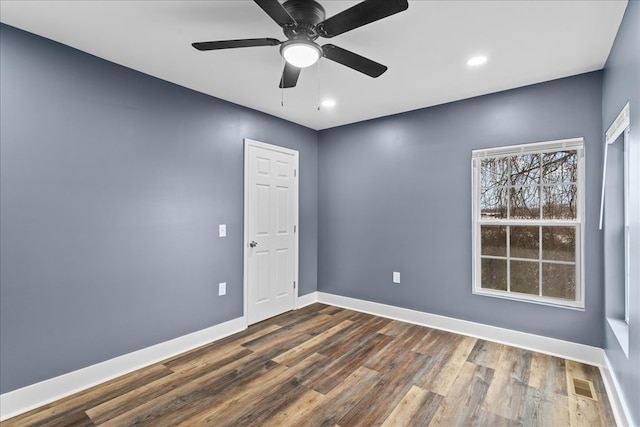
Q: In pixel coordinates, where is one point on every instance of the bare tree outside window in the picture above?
(528, 222)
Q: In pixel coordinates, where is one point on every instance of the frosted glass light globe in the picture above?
(301, 54)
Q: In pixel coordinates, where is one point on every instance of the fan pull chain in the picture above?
(318, 84)
(282, 81)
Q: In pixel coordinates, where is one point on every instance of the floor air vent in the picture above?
(583, 388)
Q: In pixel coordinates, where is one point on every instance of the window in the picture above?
(528, 222)
(617, 197)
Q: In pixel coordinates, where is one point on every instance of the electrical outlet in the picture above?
(222, 288)
(396, 277)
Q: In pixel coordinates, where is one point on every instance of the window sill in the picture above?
(620, 329)
(514, 296)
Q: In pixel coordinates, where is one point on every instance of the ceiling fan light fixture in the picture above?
(301, 53)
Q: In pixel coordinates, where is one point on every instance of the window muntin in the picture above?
(527, 211)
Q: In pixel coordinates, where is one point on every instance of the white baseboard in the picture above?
(307, 299)
(24, 399)
(616, 396)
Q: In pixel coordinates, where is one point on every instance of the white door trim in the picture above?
(245, 242)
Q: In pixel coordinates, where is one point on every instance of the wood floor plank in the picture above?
(301, 351)
(485, 418)
(329, 309)
(435, 343)
(375, 323)
(191, 396)
(329, 366)
(486, 353)
(397, 346)
(507, 393)
(394, 328)
(343, 343)
(313, 325)
(340, 314)
(276, 342)
(245, 404)
(548, 374)
(134, 398)
(341, 367)
(463, 403)
(343, 397)
(416, 408)
(397, 378)
(204, 352)
(289, 318)
(208, 360)
(255, 403)
(362, 318)
(66, 419)
(297, 413)
(447, 364)
(545, 409)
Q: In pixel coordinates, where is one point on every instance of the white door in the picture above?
(270, 217)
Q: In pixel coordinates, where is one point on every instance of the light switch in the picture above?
(222, 230)
(396, 277)
(222, 288)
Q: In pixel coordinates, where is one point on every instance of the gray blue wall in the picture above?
(113, 184)
(621, 84)
(395, 195)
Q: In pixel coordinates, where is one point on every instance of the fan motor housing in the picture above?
(308, 14)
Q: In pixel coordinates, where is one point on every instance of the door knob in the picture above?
(253, 244)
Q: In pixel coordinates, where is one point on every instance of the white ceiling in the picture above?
(425, 48)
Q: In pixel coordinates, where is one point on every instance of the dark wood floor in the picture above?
(327, 366)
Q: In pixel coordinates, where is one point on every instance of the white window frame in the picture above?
(621, 126)
(574, 144)
(627, 229)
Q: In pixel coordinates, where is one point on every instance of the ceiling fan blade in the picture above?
(275, 10)
(289, 76)
(353, 60)
(361, 14)
(229, 44)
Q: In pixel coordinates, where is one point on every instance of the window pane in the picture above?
(493, 203)
(524, 203)
(525, 169)
(494, 172)
(525, 242)
(494, 274)
(494, 240)
(559, 281)
(559, 201)
(525, 277)
(560, 167)
(559, 243)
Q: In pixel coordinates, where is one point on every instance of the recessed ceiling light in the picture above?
(477, 60)
(329, 103)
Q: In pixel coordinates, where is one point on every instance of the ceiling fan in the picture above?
(303, 21)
